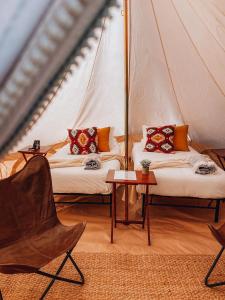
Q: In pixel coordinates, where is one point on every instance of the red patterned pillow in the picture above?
(83, 141)
(160, 139)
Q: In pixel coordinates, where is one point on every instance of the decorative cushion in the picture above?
(180, 140)
(144, 129)
(83, 141)
(103, 139)
(160, 139)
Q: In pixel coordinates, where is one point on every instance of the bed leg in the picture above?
(143, 205)
(217, 211)
(110, 205)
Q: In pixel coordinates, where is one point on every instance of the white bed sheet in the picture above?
(180, 182)
(78, 180)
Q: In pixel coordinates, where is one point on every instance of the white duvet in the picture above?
(78, 180)
(182, 181)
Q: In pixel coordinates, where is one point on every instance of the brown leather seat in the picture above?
(31, 234)
(219, 235)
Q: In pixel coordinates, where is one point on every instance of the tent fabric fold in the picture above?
(176, 68)
(56, 40)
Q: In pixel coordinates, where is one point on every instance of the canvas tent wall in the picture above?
(177, 67)
(93, 94)
(38, 47)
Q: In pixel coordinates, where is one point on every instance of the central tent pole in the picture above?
(126, 83)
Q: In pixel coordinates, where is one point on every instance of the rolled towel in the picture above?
(202, 164)
(92, 162)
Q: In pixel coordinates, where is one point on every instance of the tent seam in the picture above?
(167, 64)
(217, 8)
(91, 75)
(203, 22)
(196, 49)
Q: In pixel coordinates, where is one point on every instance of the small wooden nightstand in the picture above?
(29, 151)
(142, 179)
(220, 153)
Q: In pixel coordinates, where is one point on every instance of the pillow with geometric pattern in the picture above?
(83, 141)
(160, 139)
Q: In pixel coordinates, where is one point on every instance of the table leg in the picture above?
(126, 204)
(113, 211)
(114, 193)
(148, 213)
(144, 199)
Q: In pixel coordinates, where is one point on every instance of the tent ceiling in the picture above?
(177, 67)
(57, 31)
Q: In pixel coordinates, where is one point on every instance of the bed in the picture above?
(77, 181)
(181, 182)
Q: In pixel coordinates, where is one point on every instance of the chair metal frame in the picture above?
(59, 278)
(56, 276)
(68, 256)
(214, 284)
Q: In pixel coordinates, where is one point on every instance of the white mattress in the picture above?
(180, 182)
(78, 180)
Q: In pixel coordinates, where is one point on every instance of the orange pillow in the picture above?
(103, 139)
(180, 140)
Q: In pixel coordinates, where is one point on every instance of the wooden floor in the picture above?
(173, 230)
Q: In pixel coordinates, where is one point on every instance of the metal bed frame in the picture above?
(103, 202)
(216, 207)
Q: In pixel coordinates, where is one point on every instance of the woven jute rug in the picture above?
(121, 276)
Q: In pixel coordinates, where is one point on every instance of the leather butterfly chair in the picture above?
(219, 235)
(31, 234)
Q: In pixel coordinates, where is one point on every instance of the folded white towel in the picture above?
(202, 164)
(92, 162)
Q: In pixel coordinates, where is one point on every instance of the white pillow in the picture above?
(144, 133)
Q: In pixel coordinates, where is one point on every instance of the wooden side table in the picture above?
(220, 153)
(142, 179)
(29, 151)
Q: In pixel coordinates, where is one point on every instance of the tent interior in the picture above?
(171, 72)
